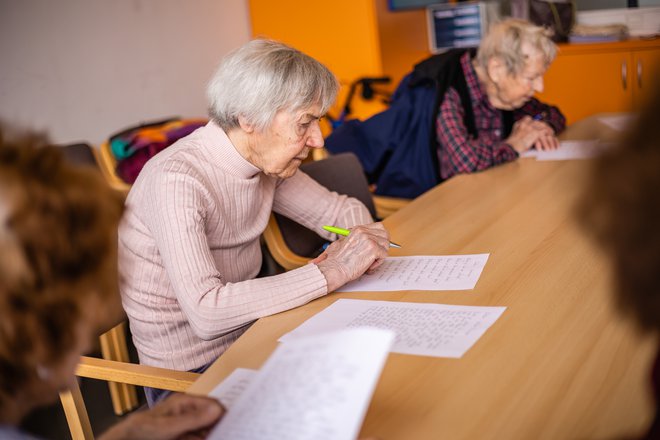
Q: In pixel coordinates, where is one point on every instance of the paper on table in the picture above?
(437, 330)
(424, 272)
(618, 122)
(528, 153)
(233, 386)
(568, 150)
(313, 388)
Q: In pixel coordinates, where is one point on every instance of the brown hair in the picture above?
(621, 206)
(58, 243)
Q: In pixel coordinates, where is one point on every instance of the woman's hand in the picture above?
(349, 257)
(546, 142)
(528, 133)
(180, 416)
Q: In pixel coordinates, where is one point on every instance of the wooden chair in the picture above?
(113, 342)
(108, 165)
(293, 245)
(116, 372)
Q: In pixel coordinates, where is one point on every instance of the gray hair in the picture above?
(505, 39)
(263, 77)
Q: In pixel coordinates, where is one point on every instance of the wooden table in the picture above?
(559, 364)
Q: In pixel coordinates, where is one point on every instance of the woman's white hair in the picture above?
(263, 77)
(505, 40)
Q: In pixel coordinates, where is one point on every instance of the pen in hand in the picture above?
(539, 117)
(345, 232)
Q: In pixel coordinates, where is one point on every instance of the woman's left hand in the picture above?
(180, 416)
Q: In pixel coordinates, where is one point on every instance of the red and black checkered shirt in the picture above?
(458, 152)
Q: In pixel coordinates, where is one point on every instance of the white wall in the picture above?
(82, 69)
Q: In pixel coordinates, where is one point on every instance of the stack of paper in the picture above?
(422, 272)
(312, 388)
(233, 386)
(438, 330)
(568, 150)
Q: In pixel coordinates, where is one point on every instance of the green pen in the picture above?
(345, 232)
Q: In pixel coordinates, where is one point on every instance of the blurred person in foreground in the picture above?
(621, 207)
(58, 286)
(189, 248)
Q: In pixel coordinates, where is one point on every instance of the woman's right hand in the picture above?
(349, 257)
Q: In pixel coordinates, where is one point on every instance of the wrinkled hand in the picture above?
(528, 133)
(349, 257)
(547, 142)
(180, 416)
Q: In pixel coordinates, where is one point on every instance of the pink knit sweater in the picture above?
(189, 248)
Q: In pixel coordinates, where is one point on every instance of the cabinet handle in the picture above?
(639, 73)
(624, 75)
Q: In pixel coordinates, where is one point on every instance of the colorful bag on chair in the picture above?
(134, 146)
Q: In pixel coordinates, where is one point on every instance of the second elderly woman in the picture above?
(189, 244)
(489, 115)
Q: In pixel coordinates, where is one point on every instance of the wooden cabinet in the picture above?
(646, 66)
(609, 77)
(358, 38)
(354, 38)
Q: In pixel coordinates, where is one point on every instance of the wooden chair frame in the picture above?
(278, 248)
(117, 372)
(108, 164)
(114, 348)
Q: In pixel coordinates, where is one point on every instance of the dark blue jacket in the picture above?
(398, 147)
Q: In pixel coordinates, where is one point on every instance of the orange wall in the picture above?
(341, 34)
(354, 38)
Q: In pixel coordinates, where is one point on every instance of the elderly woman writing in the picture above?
(58, 287)
(189, 244)
(488, 115)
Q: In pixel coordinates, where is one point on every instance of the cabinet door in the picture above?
(582, 84)
(646, 65)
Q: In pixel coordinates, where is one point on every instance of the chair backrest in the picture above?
(80, 154)
(341, 173)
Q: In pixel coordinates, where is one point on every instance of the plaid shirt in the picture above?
(458, 152)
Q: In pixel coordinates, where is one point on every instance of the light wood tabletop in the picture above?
(560, 363)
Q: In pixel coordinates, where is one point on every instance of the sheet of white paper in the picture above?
(569, 150)
(437, 330)
(423, 272)
(313, 388)
(233, 386)
(618, 122)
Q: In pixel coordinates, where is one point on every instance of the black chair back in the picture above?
(341, 173)
(79, 154)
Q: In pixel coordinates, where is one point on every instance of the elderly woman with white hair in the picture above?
(488, 115)
(189, 243)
